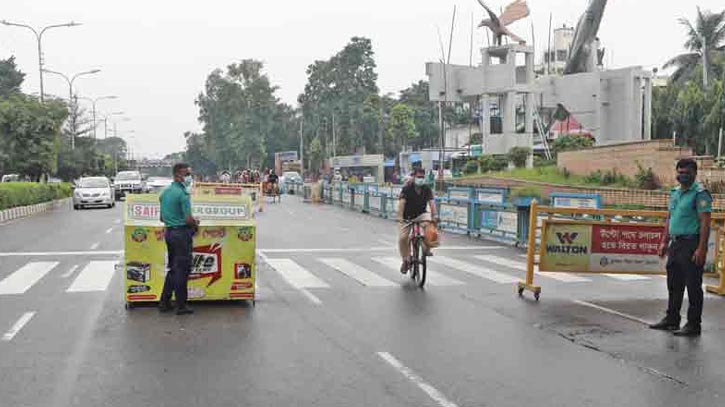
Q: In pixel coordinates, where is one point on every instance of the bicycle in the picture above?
(417, 264)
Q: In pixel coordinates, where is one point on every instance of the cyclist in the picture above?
(415, 199)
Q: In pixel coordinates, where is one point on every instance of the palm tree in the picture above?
(708, 33)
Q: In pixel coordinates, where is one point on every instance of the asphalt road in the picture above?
(337, 325)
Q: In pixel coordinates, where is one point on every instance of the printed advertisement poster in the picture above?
(489, 220)
(507, 222)
(456, 215)
(490, 197)
(566, 247)
(626, 248)
(346, 197)
(572, 202)
(359, 200)
(459, 195)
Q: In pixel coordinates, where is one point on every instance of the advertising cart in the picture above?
(223, 265)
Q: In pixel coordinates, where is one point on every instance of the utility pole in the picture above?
(39, 37)
(302, 154)
(93, 102)
(704, 63)
(73, 101)
(334, 136)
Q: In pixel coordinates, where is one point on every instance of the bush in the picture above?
(526, 192)
(14, 194)
(609, 177)
(471, 167)
(646, 178)
(519, 156)
(489, 163)
(571, 142)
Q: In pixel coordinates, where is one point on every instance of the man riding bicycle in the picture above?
(415, 198)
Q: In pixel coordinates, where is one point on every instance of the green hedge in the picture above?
(14, 194)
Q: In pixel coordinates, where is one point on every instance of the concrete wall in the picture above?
(656, 154)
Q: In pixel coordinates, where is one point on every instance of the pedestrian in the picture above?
(180, 230)
(685, 244)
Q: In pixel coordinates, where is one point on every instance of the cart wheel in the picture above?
(254, 303)
(521, 291)
(536, 296)
(128, 306)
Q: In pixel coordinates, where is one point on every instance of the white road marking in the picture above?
(25, 277)
(474, 269)
(517, 265)
(385, 242)
(311, 297)
(611, 311)
(431, 391)
(360, 274)
(627, 277)
(69, 253)
(296, 275)
(17, 326)
(70, 272)
(433, 277)
(109, 230)
(94, 277)
(369, 249)
(94, 246)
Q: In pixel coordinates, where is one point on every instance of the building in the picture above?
(555, 60)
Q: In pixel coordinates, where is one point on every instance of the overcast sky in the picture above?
(156, 54)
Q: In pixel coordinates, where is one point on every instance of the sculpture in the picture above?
(513, 12)
(582, 52)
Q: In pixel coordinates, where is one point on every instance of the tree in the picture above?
(425, 112)
(10, 77)
(571, 142)
(315, 155)
(197, 154)
(402, 126)
(707, 33)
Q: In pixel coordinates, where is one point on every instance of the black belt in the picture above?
(677, 238)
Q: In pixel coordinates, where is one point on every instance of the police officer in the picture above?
(685, 245)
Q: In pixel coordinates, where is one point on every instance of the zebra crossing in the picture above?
(444, 271)
(95, 276)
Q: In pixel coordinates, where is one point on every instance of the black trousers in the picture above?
(683, 273)
(179, 248)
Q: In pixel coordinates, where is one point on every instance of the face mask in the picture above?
(420, 181)
(684, 179)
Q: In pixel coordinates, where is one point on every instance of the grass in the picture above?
(552, 175)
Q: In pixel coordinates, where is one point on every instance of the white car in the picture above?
(128, 182)
(155, 185)
(93, 191)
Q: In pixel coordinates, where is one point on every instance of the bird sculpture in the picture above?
(497, 24)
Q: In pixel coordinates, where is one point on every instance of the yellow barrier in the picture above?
(216, 189)
(605, 246)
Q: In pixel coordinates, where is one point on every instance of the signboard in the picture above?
(576, 201)
(375, 202)
(359, 200)
(507, 222)
(202, 208)
(286, 156)
(453, 214)
(346, 196)
(455, 194)
(490, 196)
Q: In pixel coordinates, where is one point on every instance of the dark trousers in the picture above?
(179, 247)
(683, 273)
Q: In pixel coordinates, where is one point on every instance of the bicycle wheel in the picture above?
(421, 264)
(414, 260)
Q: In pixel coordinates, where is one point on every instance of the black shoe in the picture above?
(184, 311)
(165, 306)
(666, 325)
(404, 267)
(689, 331)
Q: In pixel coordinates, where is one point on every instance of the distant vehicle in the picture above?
(155, 185)
(128, 182)
(11, 178)
(291, 177)
(52, 180)
(93, 191)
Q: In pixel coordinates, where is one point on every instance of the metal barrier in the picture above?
(454, 210)
(493, 217)
(622, 242)
(374, 201)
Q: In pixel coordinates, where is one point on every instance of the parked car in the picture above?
(155, 185)
(93, 191)
(128, 182)
(11, 178)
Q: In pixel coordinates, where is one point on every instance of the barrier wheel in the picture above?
(521, 291)
(536, 296)
(128, 306)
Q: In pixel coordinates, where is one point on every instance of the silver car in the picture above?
(93, 191)
(155, 185)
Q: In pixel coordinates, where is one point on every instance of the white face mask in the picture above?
(420, 181)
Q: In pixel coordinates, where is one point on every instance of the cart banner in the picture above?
(453, 214)
(223, 263)
(146, 208)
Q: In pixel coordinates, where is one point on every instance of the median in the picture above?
(20, 199)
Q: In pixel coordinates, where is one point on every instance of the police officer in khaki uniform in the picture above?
(685, 245)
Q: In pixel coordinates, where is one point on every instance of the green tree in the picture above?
(10, 77)
(519, 156)
(707, 33)
(315, 155)
(402, 127)
(197, 154)
(571, 142)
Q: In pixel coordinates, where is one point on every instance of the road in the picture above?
(337, 325)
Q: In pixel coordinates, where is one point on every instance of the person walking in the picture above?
(687, 230)
(180, 230)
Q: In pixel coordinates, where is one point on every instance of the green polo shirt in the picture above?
(685, 206)
(175, 205)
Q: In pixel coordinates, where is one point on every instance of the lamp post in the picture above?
(105, 122)
(39, 36)
(70, 81)
(93, 103)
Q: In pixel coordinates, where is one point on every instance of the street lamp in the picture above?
(70, 97)
(105, 122)
(39, 36)
(93, 102)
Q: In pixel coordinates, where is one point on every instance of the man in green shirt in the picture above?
(180, 230)
(685, 244)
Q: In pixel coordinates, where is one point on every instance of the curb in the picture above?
(30, 210)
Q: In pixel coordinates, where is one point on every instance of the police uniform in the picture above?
(684, 229)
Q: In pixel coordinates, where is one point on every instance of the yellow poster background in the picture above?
(566, 247)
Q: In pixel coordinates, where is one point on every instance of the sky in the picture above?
(155, 55)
